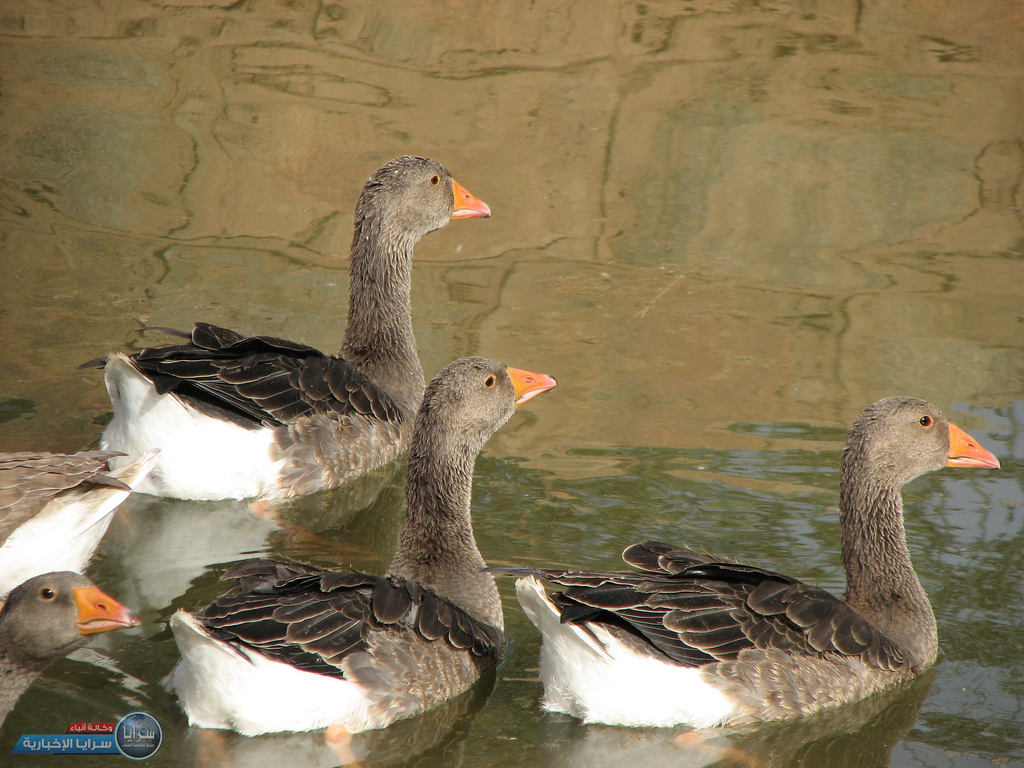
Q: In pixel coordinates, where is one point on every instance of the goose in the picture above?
(299, 648)
(238, 416)
(692, 639)
(44, 619)
(55, 508)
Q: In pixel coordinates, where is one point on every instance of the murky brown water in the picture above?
(724, 226)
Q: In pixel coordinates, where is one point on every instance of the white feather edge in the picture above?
(222, 686)
(108, 499)
(65, 533)
(201, 457)
(595, 677)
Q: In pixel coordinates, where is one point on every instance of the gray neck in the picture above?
(379, 339)
(437, 548)
(881, 583)
(15, 678)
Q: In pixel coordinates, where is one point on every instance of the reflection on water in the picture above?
(859, 736)
(435, 739)
(725, 226)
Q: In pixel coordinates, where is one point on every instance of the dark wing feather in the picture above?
(29, 481)
(694, 609)
(655, 557)
(313, 618)
(262, 380)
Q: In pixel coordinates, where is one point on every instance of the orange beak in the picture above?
(964, 451)
(466, 205)
(528, 385)
(99, 612)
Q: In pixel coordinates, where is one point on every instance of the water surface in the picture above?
(725, 227)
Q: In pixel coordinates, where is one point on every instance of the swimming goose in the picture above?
(45, 619)
(692, 639)
(298, 648)
(55, 508)
(238, 416)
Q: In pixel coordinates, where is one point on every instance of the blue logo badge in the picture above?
(138, 735)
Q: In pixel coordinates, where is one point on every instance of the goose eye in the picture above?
(490, 381)
(46, 593)
(926, 421)
(435, 180)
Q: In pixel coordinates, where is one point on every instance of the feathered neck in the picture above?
(437, 548)
(379, 338)
(881, 583)
(17, 672)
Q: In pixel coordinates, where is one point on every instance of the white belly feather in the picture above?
(201, 457)
(601, 680)
(220, 686)
(64, 535)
